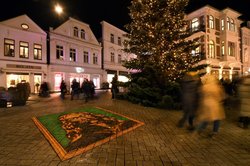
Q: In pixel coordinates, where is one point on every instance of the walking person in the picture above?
(86, 89)
(244, 95)
(211, 106)
(114, 87)
(75, 87)
(190, 98)
(63, 89)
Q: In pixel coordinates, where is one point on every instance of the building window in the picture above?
(211, 49)
(37, 51)
(119, 41)
(195, 24)
(119, 58)
(232, 26)
(9, 47)
(24, 50)
(75, 31)
(72, 55)
(196, 51)
(112, 57)
(59, 52)
(222, 48)
(211, 22)
(112, 38)
(231, 49)
(82, 34)
(95, 59)
(222, 25)
(228, 23)
(86, 57)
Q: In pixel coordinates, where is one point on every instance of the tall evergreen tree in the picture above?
(158, 35)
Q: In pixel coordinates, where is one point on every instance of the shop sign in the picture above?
(23, 66)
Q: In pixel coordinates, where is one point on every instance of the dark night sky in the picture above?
(93, 12)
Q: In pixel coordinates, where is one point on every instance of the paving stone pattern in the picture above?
(158, 143)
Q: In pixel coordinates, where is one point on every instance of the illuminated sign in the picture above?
(79, 69)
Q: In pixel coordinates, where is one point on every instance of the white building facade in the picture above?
(220, 40)
(112, 53)
(75, 53)
(245, 49)
(23, 56)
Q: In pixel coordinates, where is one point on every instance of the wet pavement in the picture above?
(159, 142)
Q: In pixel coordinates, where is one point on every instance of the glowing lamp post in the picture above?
(58, 9)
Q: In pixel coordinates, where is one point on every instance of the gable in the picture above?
(67, 29)
(23, 22)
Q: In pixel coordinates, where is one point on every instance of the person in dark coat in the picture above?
(75, 87)
(114, 87)
(244, 95)
(190, 96)
(86, 89)
(63, 89)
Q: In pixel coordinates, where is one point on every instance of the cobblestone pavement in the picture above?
(159, 142)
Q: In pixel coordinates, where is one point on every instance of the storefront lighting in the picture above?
(79, 69)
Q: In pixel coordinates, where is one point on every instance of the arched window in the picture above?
(195, 24)
(82, 34)
(75, 31)
(211, 49)
(211, 22)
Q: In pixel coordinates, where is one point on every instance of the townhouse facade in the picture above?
(112, 54)
(23, 54)
(75, 53)
(71, 51)
(219, 34)
(245, 48)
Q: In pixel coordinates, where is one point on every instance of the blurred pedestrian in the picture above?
(211, 104)
(75, 87)
(63, 89)
(114, 87)
(86, 89)
(190, 98)
(244, 95)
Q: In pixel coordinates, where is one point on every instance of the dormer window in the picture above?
(82, 34)
(75, 31)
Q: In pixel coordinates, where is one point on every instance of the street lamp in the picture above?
(58, 9)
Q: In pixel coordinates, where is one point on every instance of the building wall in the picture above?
(222, 34)
(64, 68)
(14, 69)
(115, 47)
(245, 31)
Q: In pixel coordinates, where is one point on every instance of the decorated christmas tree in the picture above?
(158, 35)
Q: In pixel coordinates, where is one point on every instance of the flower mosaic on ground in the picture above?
(74, 132)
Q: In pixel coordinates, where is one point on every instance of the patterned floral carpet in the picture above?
(74, 132)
